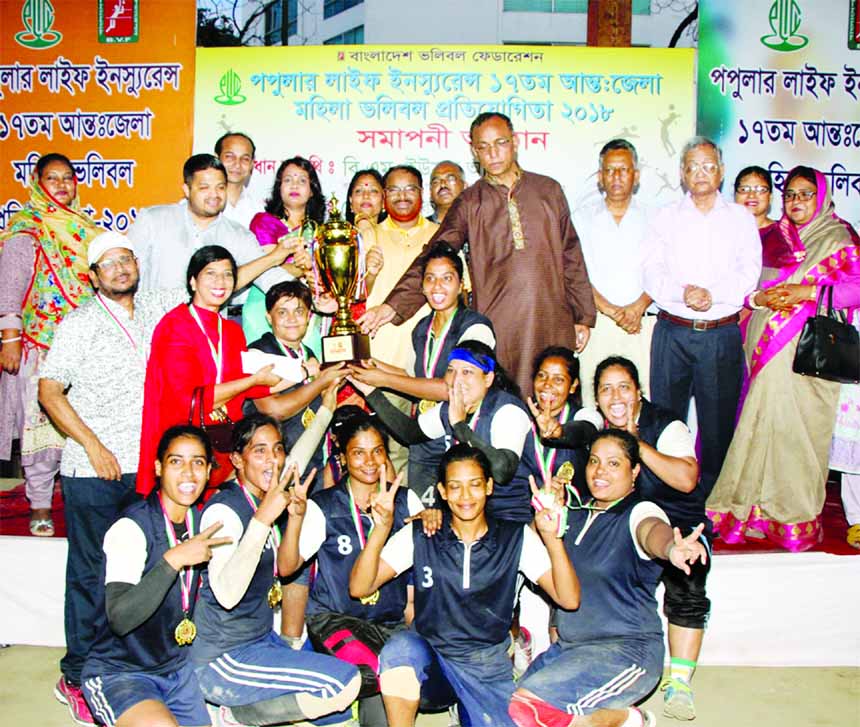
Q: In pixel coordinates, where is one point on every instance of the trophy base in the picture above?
(346, 347)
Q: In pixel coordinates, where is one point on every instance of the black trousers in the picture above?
(707, 365)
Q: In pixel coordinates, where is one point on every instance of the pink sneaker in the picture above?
(73, 698)
(533, 712)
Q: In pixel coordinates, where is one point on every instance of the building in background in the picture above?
(521, 22)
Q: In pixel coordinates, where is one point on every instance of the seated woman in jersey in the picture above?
(557, 447)
(465, 577)
(137, 672)
(609, 655)
(483, 410)
(433, 339)
(669, 476)
(334, 529)
(242, 665)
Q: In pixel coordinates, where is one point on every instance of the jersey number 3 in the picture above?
(427, 581)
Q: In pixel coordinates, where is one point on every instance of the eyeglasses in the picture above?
(621, 171)
(497, 145)
(805, 194)
(747, 189)
(448, 178)
(109, 264)
(708, 168)
(410, 190)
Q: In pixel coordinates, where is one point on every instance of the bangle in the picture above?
(669, 550)
(752, 302)
(10, 340)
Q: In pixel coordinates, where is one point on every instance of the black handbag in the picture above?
(829, 346)
(221, 433)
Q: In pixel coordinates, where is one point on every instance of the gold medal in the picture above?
(565, 472)
(185, 632)
(426, 405)
(275, 594)
(307, 418)
(370, 600)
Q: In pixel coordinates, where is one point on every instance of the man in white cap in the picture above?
(92, 388)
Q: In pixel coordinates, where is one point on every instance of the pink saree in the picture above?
(772, 481)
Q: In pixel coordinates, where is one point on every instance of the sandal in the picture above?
(42, 527)
(853, 536)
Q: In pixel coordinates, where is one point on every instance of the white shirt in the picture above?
(245, 208)
(612, 250)
(165, 237)
(719, 250)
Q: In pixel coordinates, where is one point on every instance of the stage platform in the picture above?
(769, 609)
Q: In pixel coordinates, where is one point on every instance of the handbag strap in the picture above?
(837, 315)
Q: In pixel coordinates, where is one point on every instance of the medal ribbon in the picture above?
(546, 455)
(435, 351)
(118, 323)
(217, 354)
(274, 538)
(356, 518)
(186, 575)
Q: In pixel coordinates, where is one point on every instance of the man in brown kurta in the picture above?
(528, 273)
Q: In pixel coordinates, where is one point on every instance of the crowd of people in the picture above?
(477, 517)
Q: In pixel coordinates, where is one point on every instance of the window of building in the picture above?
(274, 25)
(353, 36)
(333, 7)
(640, 7)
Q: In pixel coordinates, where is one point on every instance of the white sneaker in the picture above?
(521, 652)
(453, 716)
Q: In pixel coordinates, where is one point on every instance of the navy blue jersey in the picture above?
(617, 584)
(510, 500)
(292, 427)
(338, 553)
(684, 509)
(555, 457)
(151, 647)
(220, 629)
(424, 458)
(464, 594)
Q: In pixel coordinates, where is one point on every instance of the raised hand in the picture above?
(329, 393)
(382, 502)
(431, 520)
(275, 500)
(548, 425)
(687, 550)
(376, 317)
(197, 549)
(367, 372)
(548, 508)
(374, 261)
(266, 376)
(298, 492)
(456, 404)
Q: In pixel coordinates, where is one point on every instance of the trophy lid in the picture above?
(335, 229)
(333, 210)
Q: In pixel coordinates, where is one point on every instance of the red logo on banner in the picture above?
(118, 21)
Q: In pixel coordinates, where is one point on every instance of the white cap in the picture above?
(104, 242)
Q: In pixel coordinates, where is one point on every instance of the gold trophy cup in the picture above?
(336, 256)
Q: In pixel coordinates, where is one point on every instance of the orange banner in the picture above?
(108, 83)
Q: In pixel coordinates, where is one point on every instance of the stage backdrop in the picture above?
(779, 86)
(108, 83)
(350, 107)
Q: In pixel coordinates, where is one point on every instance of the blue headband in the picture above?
(462, 354)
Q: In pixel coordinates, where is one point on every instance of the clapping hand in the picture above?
(687, 550)
(382, 502)
(548, 425)
(195, 550)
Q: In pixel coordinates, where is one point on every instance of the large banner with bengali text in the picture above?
(351, 107)
(108, 83)
(779, 85)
